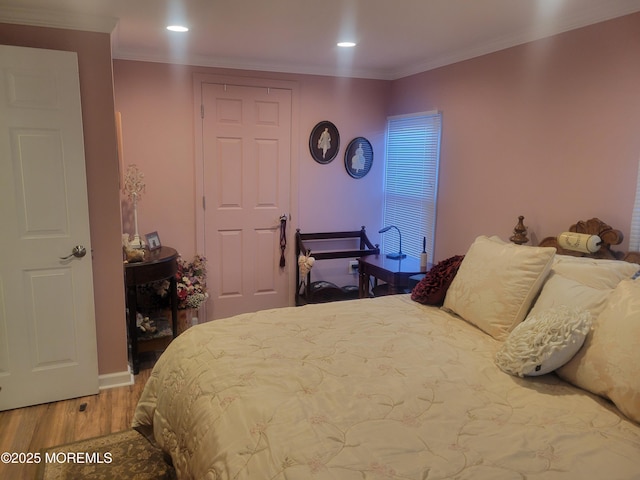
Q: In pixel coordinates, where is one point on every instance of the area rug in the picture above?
(124, 455)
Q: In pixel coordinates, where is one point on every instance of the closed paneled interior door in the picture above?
(246, 142)
(47, 321)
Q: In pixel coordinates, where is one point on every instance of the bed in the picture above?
(408, 387)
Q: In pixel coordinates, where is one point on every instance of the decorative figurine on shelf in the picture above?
(134, 187)
(144, 324)
(519, 232)
(132, 255)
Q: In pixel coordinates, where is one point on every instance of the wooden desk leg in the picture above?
(132, 305)
(363, 285)
(363, 280)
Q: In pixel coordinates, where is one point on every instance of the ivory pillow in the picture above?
(609, 362)
(496, 284)
(544, 341)
(559, 290)
(596, 273)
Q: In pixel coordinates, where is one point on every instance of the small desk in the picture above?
(160, 264)
(395, 273)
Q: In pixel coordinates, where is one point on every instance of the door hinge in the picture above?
(204, 203)
(202, 110)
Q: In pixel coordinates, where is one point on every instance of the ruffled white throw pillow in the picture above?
(544, 341)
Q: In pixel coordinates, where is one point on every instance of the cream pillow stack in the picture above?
(609, 362)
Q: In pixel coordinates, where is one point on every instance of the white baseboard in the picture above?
(118, 379)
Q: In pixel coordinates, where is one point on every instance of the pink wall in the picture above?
(548, 130)
(94, 60)
(156, 103)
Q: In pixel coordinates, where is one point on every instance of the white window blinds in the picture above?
(411, 182)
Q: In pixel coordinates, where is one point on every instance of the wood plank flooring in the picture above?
(30, 429)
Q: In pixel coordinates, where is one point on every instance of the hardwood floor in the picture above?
(31, 429)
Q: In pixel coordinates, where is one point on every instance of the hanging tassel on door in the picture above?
(283, 239)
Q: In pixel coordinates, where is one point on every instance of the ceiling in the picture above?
(395, 38)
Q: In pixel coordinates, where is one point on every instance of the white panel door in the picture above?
(247, 159)
(47, 321)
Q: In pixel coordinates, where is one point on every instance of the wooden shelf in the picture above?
(159, 264)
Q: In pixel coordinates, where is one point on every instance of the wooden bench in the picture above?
(319, 292)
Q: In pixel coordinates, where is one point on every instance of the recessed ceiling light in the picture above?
(177, 28)
(346, 44)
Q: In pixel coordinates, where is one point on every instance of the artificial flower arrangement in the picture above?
(191, 280)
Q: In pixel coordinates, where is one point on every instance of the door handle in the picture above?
(78, 251)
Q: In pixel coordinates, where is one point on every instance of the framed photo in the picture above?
(324, 142)
(153, 240)
(358, 157)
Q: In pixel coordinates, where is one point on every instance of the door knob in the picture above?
(78, 251)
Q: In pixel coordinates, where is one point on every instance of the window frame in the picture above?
(414, 212)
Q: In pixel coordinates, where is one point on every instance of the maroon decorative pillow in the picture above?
(432, 289)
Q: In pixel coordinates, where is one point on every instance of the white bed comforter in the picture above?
(371, 389)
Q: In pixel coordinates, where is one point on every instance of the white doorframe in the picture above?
(198, 80)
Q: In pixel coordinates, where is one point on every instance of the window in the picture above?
(411, 182)
(634, 238)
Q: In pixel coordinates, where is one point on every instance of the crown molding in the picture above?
(234, 64)
(585, 19)
(57, 19)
